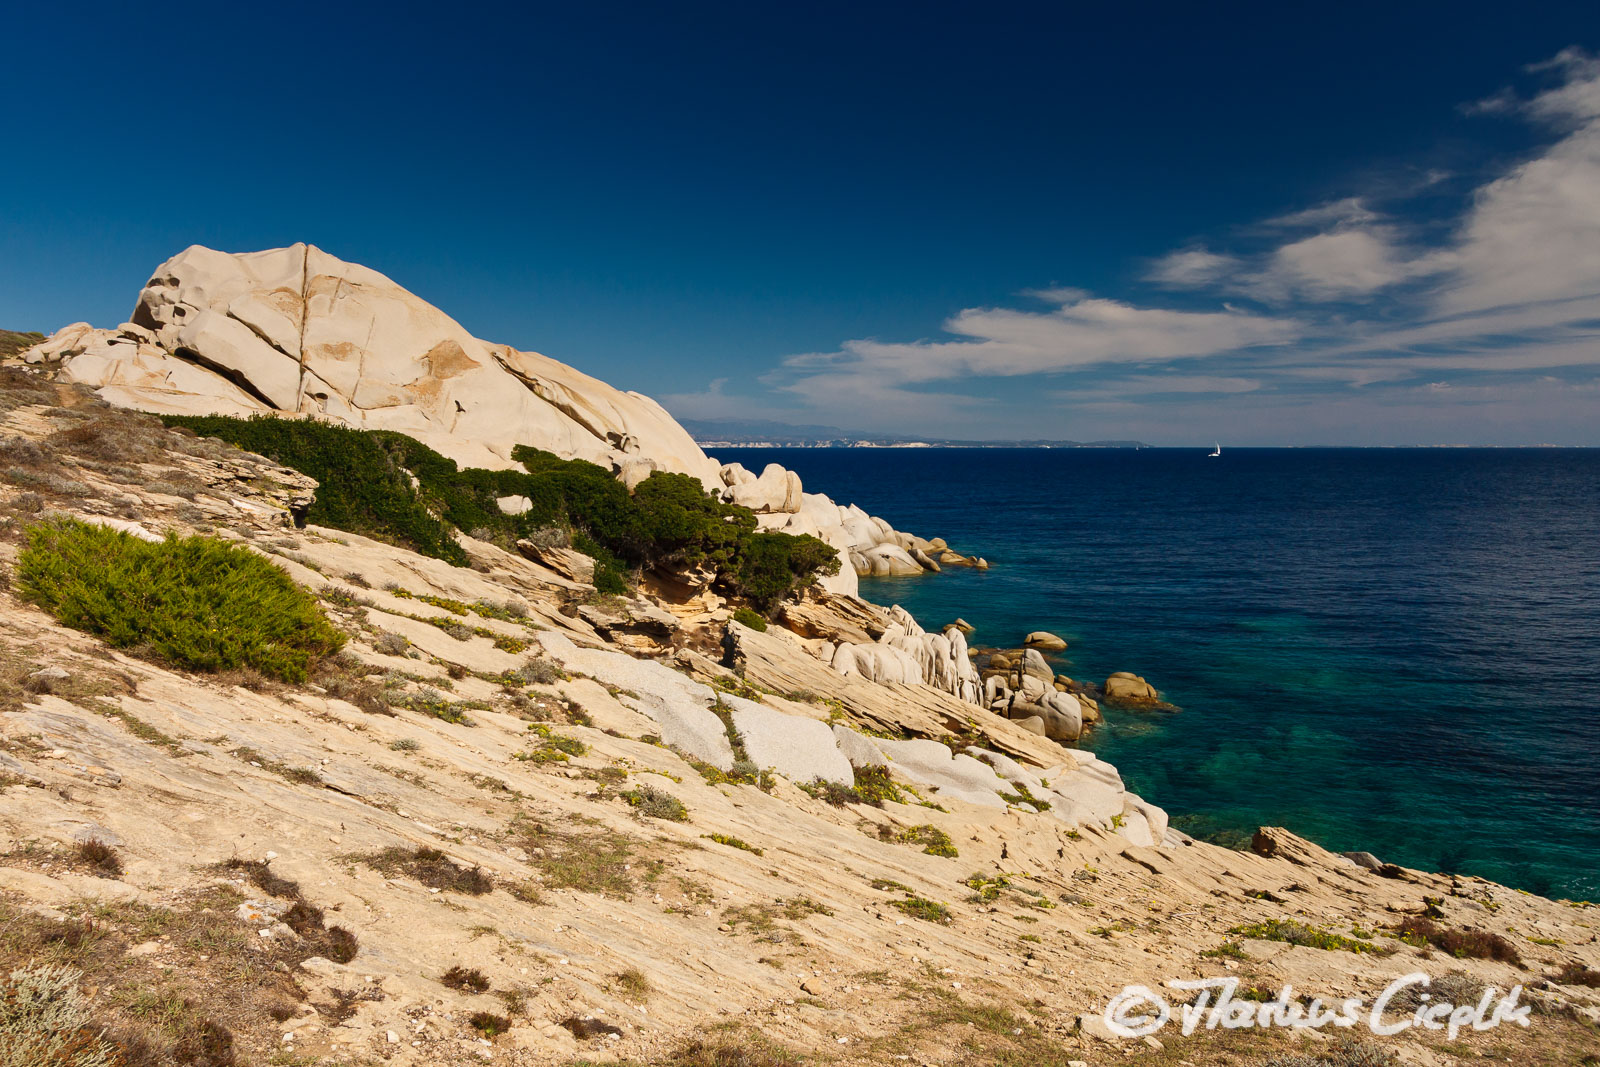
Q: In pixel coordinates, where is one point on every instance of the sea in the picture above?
(1387, 650)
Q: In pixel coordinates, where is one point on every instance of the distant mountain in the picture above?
(758, 432)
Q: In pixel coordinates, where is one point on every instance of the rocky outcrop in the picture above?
(906, 654)
(1124, 685)
(297, 331)
(868, 545)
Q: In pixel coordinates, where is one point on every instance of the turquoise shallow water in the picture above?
(1391, 650)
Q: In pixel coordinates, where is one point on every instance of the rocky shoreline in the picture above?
(553, 823)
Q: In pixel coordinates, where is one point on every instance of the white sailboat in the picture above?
(1217, 452)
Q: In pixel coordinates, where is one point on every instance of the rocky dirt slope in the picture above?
(517, 822)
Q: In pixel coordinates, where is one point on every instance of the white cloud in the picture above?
(1340, 265)
(1352, 210)
(1512, 291)
(1534, 234)
(1192, 268)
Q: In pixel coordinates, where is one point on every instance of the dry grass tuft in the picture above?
(100, 857)
(464, 980)
(430, 867)
(633, 984)
(1463, 944)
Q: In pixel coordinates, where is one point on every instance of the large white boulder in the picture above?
(298, 331)
(798, 748)
(776, 490)
(888, 559)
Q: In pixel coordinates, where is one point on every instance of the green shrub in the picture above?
(196, 602)
(669, 520)
(656, 803)
(732, 842)
(922, 908)
(1297, 933)
(935, 841)
(363, 486)
(550, 747)
(746, 616)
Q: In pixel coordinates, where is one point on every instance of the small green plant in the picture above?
(935, 841)
(488, 1023)
(874, 786)
(732, 842)
(1024, 796)
(196, 602)
(1228, 950)
(1297, 933)
(746, 616)
(634, 984)
(987, 888)
(922, 908)
(656, 803)
(552, 747)
(404, 744)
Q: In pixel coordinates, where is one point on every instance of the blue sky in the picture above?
(1281, 225)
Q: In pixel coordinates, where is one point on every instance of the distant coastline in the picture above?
(764, 433)
(739, 442)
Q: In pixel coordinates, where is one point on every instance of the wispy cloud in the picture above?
(1339, 308)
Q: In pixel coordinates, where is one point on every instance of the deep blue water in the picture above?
(1390, 650)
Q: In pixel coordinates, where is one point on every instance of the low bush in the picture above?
(732, 842)
(1578, 974)
(656, 803)
(489, 1024)
(669, 520)
(1457, 987)
(1347, 1053)
(745, 616)
(44, 1020)
(1297, 933)
(935, 841)
(430, 867)
(14, 342)
(1462, 944)
(101, 858)
(634, 983)
(465, 980)
(922, 908)
(539, 671)
(194, 602)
